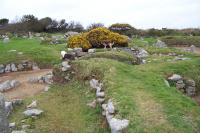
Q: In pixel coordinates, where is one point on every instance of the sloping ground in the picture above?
(142, 96)
(65, 111)
(25, 89)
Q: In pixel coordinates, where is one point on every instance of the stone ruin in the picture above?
(187, 86)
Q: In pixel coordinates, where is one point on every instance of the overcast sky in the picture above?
(138, 13)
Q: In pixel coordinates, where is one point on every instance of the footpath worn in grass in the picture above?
(65, 111)
(142, 97)
(32, 50)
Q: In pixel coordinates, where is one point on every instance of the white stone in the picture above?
(100, 100)
(32, 112)
(175, 77)
(46, 88)
(92, 104)
(13, 68)
(12, 125)
(8, 107)
(6, 40)
(100, 94)
(7, 68)
(94, 83)
(110, 107)
(90, 51)
(118, 125)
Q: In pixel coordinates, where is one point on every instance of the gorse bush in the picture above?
(96, 38)
(79, 41)
(99, 36)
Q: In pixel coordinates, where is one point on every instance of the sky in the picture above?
(139, 13)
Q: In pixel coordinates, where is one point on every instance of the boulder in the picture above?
(2, 68)
(7, 68)
(118, 125)
(175, 77)
(190, 83)
(13, 67)
(4, 125)
(180, 84)
(33, 112)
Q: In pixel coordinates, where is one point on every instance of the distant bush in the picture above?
(97, 37)
(124, 29)
(79, 41)
(181, 40)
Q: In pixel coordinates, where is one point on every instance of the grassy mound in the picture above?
(182, 40)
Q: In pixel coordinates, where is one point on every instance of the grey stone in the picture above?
(4, 125)
(110, 107)
(160, 44)
(78, 50)
(80, 54)
(175, 77)
(48, 78)
(94, 83)
(118, 125)
(14, 83)
(25, 126)
(17, 102)
(90, 51)
(33, 112)
(13, 67)
(181, 58)
(7, 68)
(180, 84)
(2, 69)
(20, 67)
(190, 83)
(12, 125)
(190, 91)
(8, 108)
(100, 94)
(100, 100)
(35, 67)
(18, 132)
(5, 86)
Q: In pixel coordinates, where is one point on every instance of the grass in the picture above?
(138, 91)
(44, 55)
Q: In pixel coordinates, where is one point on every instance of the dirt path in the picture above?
(25, 89)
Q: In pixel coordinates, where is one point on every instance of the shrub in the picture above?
(97, 37)
(79, 41)
(124, 29)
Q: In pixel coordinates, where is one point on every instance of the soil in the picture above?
(25, 89)
(197, 99)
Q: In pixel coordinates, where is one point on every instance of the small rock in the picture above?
(180, 84)
(90, 51)
(33, 112)
(35, 67)
(190, 91)
(8, 107)
(18, 132)
(110, 107)
(12, 125)
(190, 83)
(17, 102)
(33, 104)
(2, 69)
(100, 100)
(14, 83)
(175, 77)
(20, 67)
(13, 68)
(118, 125)
(5, 86)
(100, 94)
(6, 40)
(94, 83)
(25, 126)
(7, 68)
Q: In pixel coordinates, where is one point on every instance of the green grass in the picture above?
(44, 55)
(65, 111)
(182, 40)
(138, 91)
